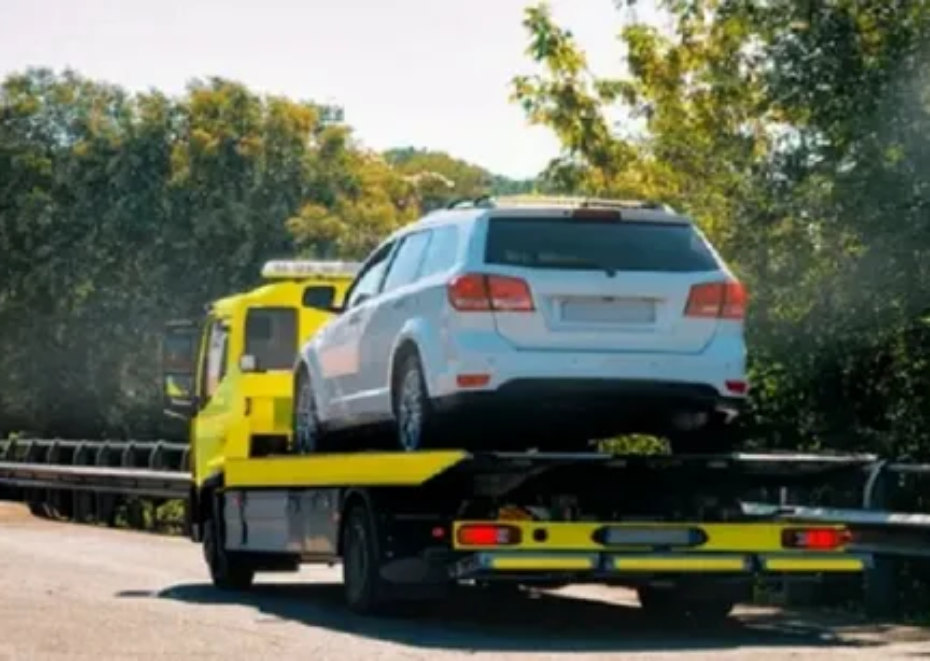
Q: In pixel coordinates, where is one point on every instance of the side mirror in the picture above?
(321, 297)
(179, 368)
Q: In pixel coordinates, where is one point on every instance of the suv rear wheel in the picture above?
(415, 417)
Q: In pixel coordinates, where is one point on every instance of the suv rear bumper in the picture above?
(555, 396)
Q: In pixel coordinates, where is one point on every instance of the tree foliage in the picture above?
(120, 211)
(796, 135)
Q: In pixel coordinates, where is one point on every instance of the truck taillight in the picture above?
(477, 292)
(815, 539)
(487, 535)
(717, 300)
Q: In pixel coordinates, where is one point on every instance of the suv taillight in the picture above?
(477, 292)
(717, 300)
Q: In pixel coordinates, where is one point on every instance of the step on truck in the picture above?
(411, 527)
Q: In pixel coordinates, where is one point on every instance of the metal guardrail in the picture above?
(92, 481)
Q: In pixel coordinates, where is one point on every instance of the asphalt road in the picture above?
(76, 592)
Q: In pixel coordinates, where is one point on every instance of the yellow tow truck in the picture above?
(410, 526)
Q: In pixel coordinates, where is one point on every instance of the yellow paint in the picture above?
(543, 563)
(832, 563)
(684, 563)
(246, 404)
(356, 469)
(721, 537)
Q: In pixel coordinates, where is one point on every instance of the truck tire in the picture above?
(678, 604)
(228, 570)
(366, 592)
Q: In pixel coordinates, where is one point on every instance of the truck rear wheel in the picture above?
(366, 592)
(228, 570)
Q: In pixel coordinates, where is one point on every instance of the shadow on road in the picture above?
(529, 623)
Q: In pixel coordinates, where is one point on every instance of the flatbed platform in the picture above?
(492, 472)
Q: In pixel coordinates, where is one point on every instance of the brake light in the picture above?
(477, 292)
(488, 535)
(815, 539)
(717, 300)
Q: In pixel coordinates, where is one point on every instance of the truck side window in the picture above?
(217, 358)
(271, 338)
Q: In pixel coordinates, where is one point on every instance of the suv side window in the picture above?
(368, 282)
(406, 262)
(442, 251)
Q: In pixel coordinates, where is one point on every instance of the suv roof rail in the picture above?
(492, 202)
(482, 201)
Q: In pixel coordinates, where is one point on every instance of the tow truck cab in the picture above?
(229, 374)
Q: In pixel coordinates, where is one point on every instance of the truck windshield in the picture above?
(271, 338)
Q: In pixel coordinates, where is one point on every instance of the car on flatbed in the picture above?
(532, 322)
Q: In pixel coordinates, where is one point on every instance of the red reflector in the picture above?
(738, 387)
(488, 535)
(815, 539)
(472, 380)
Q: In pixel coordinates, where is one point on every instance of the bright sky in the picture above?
(426, 73)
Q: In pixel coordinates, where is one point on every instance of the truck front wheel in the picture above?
(228, 571)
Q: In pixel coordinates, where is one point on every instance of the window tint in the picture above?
(271, 337)
(441, 252)
(319, 296)
(406, 262)
(369, 281)
(575, 244)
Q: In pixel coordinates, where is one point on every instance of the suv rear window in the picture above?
(271, 337)
(578, 244)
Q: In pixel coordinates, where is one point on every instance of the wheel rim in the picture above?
(356, 560)
(307, 429)
(410, 412)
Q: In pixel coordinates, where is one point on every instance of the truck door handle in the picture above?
(399, 305)
(353, 320)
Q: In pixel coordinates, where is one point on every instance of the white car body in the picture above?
(605, 332)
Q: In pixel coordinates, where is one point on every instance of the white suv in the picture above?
(543, 323)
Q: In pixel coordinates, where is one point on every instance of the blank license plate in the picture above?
(610, 311)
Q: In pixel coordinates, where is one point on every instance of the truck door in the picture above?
(215, 398)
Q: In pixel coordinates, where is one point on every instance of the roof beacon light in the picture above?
(279, 269)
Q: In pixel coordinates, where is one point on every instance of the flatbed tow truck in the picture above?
(410, 526)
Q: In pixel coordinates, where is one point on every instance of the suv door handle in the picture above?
(353, 320)
(399, 304)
